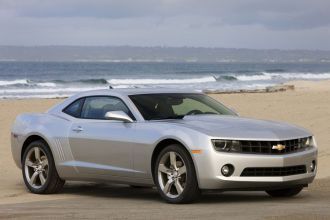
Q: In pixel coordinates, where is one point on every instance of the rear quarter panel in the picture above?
(51, 128)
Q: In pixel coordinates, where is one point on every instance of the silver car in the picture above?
(181, 141)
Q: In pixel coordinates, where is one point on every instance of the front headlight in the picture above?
(314, 141)
(307, 142)
(226, 145)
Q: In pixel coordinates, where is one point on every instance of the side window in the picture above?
(74, 108)
(96, 107)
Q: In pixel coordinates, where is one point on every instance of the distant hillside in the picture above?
(157, 54)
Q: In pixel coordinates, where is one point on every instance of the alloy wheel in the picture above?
(36, 167)
(172, 174)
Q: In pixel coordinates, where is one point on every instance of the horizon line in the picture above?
(170, 47)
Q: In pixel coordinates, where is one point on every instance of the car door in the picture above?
(101, 146)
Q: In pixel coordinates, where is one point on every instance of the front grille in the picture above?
(266, 147)
(274, 171)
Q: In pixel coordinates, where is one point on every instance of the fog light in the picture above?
(312, 166)
(227, 170)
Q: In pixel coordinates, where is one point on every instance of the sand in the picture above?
(308, 106)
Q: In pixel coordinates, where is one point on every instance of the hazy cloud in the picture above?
(223, 23)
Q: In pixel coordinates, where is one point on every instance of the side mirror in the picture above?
(118, 116)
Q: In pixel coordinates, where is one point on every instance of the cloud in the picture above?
(293, 14)
(226, 23)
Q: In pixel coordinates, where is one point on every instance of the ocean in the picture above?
(61, 79)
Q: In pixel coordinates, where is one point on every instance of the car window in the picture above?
(189, 104)
(177, 105)
(96, 107)
(74, 108)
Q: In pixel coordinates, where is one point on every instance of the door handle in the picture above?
(78, 129)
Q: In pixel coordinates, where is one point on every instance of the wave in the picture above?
(285, 75)
(160, 81)
(25, 82)
(229, 78)
(56, 83)
(85, 81)
(39, 96)
(51, 83)
(58, 90)
(253, 77)
(94, 81)
(46, 84)
(25, 88)
(262, 76)
(13, 82)
(300, 75)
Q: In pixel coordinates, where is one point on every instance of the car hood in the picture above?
(234, 127)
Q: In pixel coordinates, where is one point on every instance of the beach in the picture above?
(308, 105)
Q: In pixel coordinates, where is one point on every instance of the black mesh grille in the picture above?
(266, 147)
(274, 171)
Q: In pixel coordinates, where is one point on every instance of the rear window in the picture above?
(74, 108)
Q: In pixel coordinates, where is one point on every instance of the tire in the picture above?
(288, 192)
(173, 184)
(39, 172)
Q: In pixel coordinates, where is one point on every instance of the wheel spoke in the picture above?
(168, 186)
(29, 163)
(33, 178)
(44, 163)
(42, 178)
(182, 170)
(162, 168)
(173, 165)
(37, 153)
(178, 187)
(173, 159)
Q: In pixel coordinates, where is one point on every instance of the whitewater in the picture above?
(48, 80)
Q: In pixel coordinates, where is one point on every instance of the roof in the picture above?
(135, 91)
(123, 93)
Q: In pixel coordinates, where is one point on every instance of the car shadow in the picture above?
(103, 190)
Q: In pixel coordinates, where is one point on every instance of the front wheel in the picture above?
(175, 175)
(288, 192)
(39, 171)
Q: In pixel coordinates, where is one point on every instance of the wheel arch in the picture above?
(31, 138)
(161, 145)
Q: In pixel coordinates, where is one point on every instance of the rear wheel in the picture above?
(175, 175)
(288, 192)
(39, 171)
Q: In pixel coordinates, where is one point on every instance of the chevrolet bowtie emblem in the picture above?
(278, 147)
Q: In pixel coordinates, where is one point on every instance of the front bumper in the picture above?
(208, 167)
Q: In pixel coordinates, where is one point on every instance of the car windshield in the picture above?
(177, 105)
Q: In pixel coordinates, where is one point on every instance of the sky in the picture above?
(257, 24)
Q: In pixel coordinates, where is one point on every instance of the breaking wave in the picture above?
(311, 76)
(25, 88)
(160, 81)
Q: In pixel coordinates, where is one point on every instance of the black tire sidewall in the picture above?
(51, 166)
(191, 190)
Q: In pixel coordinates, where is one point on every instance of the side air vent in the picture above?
(59, 149)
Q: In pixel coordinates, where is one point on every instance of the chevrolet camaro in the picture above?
(182, 142)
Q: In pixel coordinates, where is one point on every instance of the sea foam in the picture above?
(161, 81)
